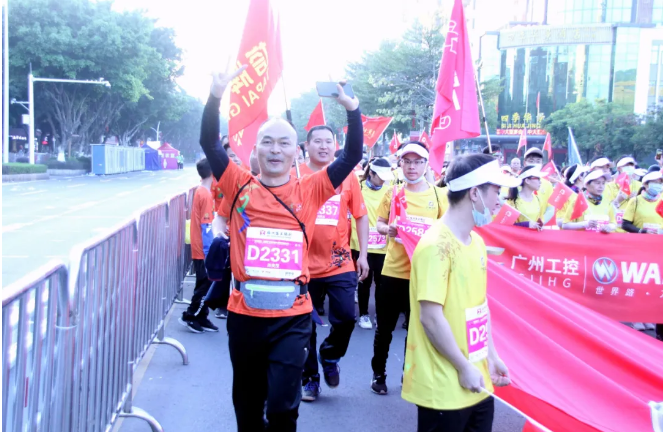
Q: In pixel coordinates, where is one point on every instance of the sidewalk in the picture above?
(197, 397)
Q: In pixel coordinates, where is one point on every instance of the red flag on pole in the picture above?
(580, 206)
(424, 138)
(522, 142)
(261, 50)
(456, 105)
(560, 195)
(659, 208)
(394, 143)
(623, 180)
(316, 118)
(373, 127)
(245, 140)
(547, 146)
(507, 215)
(550, 169)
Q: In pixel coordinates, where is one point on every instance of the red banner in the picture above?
(618, 275)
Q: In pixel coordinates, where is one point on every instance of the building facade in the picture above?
(581, 49)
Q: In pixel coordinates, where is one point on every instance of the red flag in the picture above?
(522, 142)
(580, 206)
(373, 127)
(560, 195)
(424, 138)
(394, 143)
(243, 142)
(547, 147)
(659, 208)
(409, 240)
(401, 199)
(261, 50)
(507, 215)
(456, 105)
(623, 180)
(393, 207)
(316, 118)
(550, 169)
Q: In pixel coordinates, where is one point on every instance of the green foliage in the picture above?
(81, 163)
(23, 168)
(183, 133)
(607, 129)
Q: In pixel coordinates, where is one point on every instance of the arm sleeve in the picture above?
(353, 150)
(431, 271)
(206, 237)
(210, 143)
(628, 226)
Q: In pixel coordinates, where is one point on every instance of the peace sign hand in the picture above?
(220, 80)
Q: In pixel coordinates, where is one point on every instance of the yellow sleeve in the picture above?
(612, 191)
(569, 213)
(430, 268)
(384, 208)
(629, 214)
(442, 193)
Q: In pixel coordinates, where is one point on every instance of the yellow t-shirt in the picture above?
(447, 272)
(605, 208)
(545, 191)
(372, 200)
(640, 211)
(419, 204)
(533, 210)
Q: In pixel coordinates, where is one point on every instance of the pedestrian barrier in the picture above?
(114, 159)
(73, 337)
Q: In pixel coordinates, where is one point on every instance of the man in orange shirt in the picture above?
(331, 267)
(195, 318)
(271, 227)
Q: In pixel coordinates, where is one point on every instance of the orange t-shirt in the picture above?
(216, 194)
(330, 253)
(202, 208)
(256, 209)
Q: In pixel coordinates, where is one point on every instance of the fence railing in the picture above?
(73, 336)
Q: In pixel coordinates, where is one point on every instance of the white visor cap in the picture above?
(488, 173)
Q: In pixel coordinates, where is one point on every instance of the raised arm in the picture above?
(353, 148)
(210, 143)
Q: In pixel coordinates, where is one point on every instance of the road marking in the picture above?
(15, 256)
(122, 194)
(13, 227)
(57, 256)
(105, 181)
(32, 193)
(76, 185)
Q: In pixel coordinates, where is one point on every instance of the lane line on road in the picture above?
(15, 256)
(125, 193)
(32, 193)
(76, 185)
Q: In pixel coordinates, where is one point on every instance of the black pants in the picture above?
(477, 418)
(391, 300)
(375, 262)
(267, 355)
(197, 310)
(342, 316)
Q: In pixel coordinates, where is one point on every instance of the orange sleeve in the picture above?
(234, 178)
(357, 206)
(224, 207)
(317, 188)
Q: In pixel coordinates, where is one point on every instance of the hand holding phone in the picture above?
(330, 89)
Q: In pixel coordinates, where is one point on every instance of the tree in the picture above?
(490, 91)
(648, 135)
(80, 39)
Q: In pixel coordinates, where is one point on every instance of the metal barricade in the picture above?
(36, 337)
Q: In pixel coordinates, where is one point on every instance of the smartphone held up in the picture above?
(329, 89)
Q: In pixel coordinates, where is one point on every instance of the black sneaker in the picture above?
(221, 314)
(379, 384)
(193, 326)
(207, 325)
(311, 390)
(330, 372)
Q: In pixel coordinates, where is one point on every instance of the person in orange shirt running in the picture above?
(195, 318)
(331, 267)
(271, 227)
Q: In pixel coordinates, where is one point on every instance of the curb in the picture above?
(66, 172)
(8, 178)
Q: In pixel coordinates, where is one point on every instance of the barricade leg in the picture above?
(162, 340)
(139, 413)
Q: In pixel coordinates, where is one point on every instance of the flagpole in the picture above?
(288, 117)
(482, 107)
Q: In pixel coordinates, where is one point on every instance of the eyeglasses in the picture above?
(416, 162)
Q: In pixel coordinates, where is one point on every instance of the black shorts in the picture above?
(476, 418)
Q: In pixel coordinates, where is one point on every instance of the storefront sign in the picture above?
(556, 35)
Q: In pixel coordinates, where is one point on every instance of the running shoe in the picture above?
(365, 322)
(193, 326)
(221, 314)
(311, 390)
(330, 372)
(379, 384)
(207, 325)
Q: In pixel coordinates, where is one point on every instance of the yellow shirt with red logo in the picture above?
(372, 201)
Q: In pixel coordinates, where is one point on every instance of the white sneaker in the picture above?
(365, 322)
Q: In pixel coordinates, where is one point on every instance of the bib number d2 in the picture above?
(476, 332)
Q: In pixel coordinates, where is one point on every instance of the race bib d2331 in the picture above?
(273, 253)
(476, 332)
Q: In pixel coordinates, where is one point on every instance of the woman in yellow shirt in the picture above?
(599, 216)
(374, 183)
(526, 201)
(640, 215)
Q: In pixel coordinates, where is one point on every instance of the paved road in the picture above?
(197, 397)
(43, 220)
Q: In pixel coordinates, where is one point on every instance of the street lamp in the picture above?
(31, 104)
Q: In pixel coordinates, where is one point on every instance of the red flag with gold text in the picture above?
(261, 50)
(317, 117)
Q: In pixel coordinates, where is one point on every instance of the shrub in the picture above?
(23, 168)
(82, 163)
